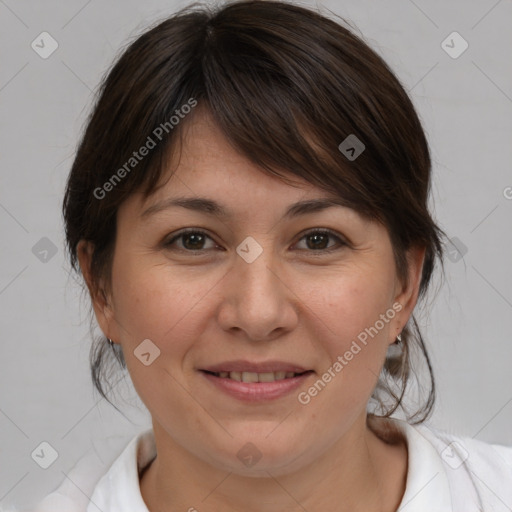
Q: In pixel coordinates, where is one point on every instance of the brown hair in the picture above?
(286, 86)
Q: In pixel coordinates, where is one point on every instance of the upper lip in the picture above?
(240, 365)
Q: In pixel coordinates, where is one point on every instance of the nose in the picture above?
(258, 299)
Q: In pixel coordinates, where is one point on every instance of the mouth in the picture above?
(257, 376)
(256, 382)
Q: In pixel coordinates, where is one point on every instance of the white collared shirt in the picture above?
(445, 473)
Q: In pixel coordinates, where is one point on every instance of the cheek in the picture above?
(155, 303)
(346, 305)
(345, 315)
(166, 308)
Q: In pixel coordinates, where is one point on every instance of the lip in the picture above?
(256, 391)
(240, 365)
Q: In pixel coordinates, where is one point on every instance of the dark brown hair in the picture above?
(285, 85)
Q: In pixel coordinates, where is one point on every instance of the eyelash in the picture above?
(341, 242)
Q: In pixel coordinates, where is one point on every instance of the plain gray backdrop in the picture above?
(465, 103)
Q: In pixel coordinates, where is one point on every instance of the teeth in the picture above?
(256, 377)
(249, 377)
(266, 377)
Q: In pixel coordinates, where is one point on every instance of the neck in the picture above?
(360, 472)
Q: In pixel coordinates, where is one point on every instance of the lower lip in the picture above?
(257, 391)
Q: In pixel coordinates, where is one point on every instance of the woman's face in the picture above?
(258, 289)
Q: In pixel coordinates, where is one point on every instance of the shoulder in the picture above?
(457, 450)
(447, 471)
(68, 496)
(473, 467)
(72, 494)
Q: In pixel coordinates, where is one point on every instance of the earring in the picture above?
(110, 342)
(395, 350)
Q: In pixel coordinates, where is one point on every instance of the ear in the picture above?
(406, 294)
(99, 298)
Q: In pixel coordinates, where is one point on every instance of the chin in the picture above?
(260, 457)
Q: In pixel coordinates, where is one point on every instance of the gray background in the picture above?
(466, 107)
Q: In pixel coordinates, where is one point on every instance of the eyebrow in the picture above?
(211, 207)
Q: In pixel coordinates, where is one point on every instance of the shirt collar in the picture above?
(119, 488)
(426, 487)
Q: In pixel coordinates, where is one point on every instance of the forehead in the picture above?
(206, 153)
(203, 163)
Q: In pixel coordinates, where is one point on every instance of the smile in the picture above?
(256, 386)
(256, 377)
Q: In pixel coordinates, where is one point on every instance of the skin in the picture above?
(290, 304)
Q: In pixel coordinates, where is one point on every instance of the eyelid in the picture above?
(179, 234)
(342, 241)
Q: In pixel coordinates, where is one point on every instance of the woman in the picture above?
(248, 208)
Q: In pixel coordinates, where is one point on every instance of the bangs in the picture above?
(286, 103)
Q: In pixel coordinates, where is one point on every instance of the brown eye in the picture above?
(318, 240)
(192, 240)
